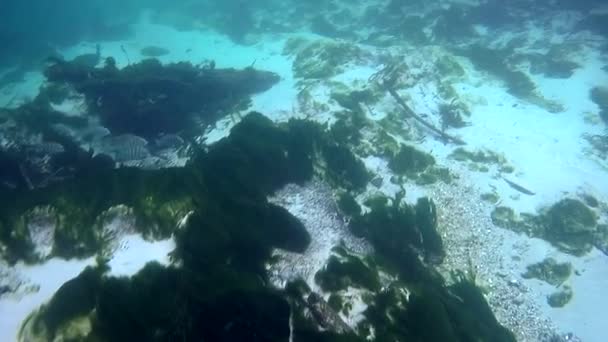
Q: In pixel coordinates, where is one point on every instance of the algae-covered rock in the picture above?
(549, 271)
(560, 298)
(571, 225)
(410, 160)
(599, 95)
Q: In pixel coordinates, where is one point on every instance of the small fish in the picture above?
(46, 148)
(519, 187)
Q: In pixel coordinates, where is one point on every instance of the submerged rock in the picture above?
(560, 298)
(571, 224)
(549, 271)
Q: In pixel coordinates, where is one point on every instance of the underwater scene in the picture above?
(283, 170)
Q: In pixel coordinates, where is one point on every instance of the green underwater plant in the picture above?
(549, 271)
(218, 286)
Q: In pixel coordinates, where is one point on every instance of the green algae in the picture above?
(320, 59)
(410, 160)
(560, 298)
(599, 95)
(346, 270)
(549, 271)
(568, 224)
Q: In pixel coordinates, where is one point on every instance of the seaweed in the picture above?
(344, 168)
(393, 229)
(148, 98)
(153, 51)
(599, 95)
(426, 221)
(560, 298)
(495, 62)
(549, 271)
(568, 224)
(346, 271)
(409, 160)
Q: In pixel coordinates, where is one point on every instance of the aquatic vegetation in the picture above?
(448, 66)
(413, 314)
(348, 205)
(553, 66)
(426, 221)
(490, 197)
(452, 25)
(396, 230)
(416, 165)
(148, 98)
(219, 291)
(569, 225)
(451, 115)
(154, 51)
(518, 83)
(409, 160)
(343, 168)
(346, 270)
(321, 59)
(479, 157)
(599, 95)
(560, 298)
(549, 271)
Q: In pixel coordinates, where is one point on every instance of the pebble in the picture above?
(481, 244)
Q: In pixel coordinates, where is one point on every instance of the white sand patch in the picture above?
(135, 252)
(35, 285)
(583, 315)
(314, 206)
(40, 282)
